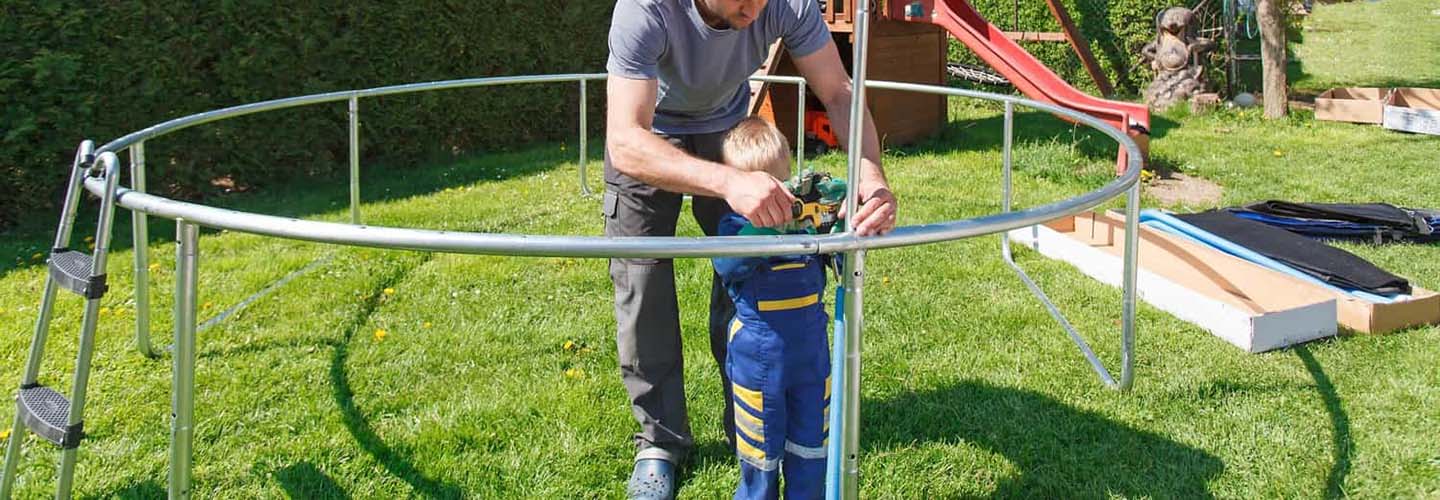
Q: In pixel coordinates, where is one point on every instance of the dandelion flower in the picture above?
(574, 373)
(380, 334)
(568, 345)
(389, 291)
(154, 267)
(427, 325)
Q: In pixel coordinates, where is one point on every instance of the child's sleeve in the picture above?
(735, 269)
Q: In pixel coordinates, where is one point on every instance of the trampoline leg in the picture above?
(1127, 320)
(182, 392)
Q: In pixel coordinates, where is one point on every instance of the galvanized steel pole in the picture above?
(140, 221)
(182, 392)
(854, 269)
(354, 159)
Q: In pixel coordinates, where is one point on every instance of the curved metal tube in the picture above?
(195, 215)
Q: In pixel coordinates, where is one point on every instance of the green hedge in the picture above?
(76, 70)
(1115, 29)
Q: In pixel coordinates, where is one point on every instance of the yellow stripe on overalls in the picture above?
(750, 397)
(749, 450)
(735, 326)
(786, 304)
(793, 265)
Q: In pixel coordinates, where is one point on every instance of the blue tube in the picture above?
(1168, 223)
(834, 467)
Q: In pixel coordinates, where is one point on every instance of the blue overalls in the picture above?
(779, 367)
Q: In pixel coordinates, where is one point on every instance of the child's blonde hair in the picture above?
(756, 145)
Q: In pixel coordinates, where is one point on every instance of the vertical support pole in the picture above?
(1127, 314)
(140, 221)
(1006, 156)
(800, 130)
(854, 274)
(354, 159)
(182, 392)
(86, 349)
(584, 114)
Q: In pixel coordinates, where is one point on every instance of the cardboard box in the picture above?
(1363, 316)
(1254, 308)
(1413, 110)
(1351, 104)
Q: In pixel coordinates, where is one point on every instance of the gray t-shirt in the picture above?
(703, 71)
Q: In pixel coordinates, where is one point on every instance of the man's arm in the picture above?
(826, 76)
(637, 152)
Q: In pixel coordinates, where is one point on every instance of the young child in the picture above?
(779, 359)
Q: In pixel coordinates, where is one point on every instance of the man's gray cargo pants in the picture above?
(647, 314)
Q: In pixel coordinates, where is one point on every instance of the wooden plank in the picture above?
(772, 63)
(1035, 36)
(1082, 47)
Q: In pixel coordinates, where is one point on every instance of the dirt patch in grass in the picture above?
(1175, 188)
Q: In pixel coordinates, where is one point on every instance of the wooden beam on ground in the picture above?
(1082, 47)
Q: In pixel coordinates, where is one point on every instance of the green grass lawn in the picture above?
(969, 388)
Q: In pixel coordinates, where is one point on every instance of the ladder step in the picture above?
(47, 414)
(71, 269)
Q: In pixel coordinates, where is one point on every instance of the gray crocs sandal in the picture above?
(653, 479)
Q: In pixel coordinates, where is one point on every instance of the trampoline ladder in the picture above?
(40, 409)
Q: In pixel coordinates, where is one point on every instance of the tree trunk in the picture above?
(1271, 14)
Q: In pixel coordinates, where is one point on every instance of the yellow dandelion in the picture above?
(207, 305)
(427, 325)
(104, 311)
(154, 267)
(574, 373)
(568, 345)
(885, 280)
(5, 434)
(380, 334)
(389, 291)
(1279, 153)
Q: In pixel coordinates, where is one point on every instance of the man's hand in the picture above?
(759, 197)
(877, 208)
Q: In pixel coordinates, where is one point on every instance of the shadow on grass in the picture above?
(302, 198)
(1060, 452)
(1340, 442)
(397, 462)
(304, 480)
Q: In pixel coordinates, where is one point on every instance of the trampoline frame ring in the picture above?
(99, 174)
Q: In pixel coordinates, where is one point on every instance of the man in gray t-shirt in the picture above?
(678, 82)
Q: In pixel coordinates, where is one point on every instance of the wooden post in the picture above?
(1082, 48)
(1271, 14)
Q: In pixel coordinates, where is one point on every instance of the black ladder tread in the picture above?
(71, 269)
(47, 414)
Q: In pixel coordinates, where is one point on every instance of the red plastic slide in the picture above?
(1028, 74)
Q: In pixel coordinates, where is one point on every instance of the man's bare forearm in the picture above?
(645, 156)
(839, 113)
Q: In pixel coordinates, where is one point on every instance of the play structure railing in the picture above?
(98, 171)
